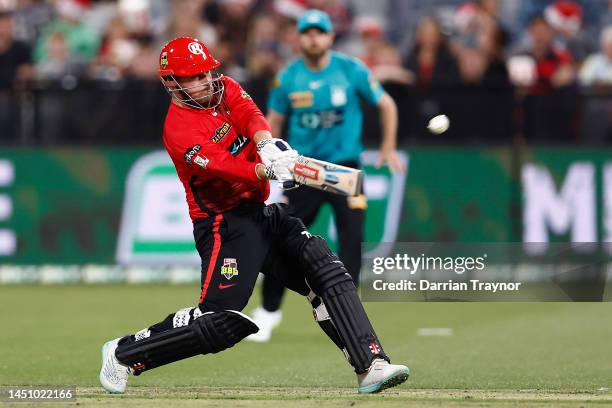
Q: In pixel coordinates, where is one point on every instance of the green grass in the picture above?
(52, 336)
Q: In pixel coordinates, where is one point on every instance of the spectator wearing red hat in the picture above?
(553, 64)
(551, 106)
(565, 17)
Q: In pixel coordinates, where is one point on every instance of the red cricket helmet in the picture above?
(186, 57)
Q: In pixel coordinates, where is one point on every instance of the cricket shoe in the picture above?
(113, 375)
(266, 321)
(380, 376)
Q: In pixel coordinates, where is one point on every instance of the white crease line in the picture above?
(434, 331)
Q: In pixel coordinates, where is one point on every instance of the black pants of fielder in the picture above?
(349, 213)
(236, 245)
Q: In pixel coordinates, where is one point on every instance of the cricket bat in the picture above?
(327, 176)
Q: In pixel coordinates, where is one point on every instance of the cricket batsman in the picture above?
(319, 96)
(224, 154)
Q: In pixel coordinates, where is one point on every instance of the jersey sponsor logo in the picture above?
(191, 152)
(301, 99)
(306, 171)
(192, 155)
(321, 119)
(229, 268)
(221, 132)
(245, 95)
(197, 49)
(316, 84)
(163, 60)
(238, 145)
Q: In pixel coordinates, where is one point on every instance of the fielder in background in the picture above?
(224, 154)
(320, 94)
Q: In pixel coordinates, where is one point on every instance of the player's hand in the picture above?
(392, 159)
(282, 166)
(280, 170)
(272, 149)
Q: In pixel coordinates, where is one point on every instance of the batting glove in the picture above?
(272, 149)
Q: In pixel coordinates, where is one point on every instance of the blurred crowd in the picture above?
(470, 59)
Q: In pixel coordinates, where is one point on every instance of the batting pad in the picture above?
(210, 333)
(328, 278)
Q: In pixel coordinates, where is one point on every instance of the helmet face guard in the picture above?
(181, 93)
(188, 57)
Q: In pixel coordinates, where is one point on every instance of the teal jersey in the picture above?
(323, 107)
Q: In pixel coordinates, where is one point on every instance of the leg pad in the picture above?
(210, 333)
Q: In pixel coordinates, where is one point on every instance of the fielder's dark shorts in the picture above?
(349, 214)
(236, 245)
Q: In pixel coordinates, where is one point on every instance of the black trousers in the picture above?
(234, 247)
(349, 213)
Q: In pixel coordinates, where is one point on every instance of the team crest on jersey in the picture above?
(338, 96)
(193, 155)
(229, 268)
(163, 60)
(221, 132)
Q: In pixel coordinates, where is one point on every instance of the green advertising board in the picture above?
(64, 204)
(107, 206)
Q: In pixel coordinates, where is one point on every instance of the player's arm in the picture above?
(388, 127)
(371, 90)
(276, 121)
(201, 155)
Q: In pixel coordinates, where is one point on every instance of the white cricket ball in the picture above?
(438, 124)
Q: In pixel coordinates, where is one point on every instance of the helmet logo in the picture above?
(197, 49)
(163, 61)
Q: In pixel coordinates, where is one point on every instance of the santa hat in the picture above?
(369, 25)
(7, 6)
(465, 15)
(73, 9)
(290, 8)
(564, 15)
